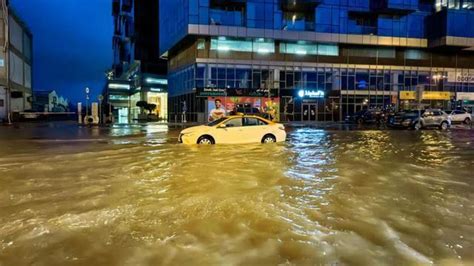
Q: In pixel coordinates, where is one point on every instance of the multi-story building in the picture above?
(15, 63)
(49, 101)
(317, 60)
(138, 73)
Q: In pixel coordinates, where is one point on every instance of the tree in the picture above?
(150, 107)
(142, 105)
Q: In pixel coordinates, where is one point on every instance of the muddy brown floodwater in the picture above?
(132, 196)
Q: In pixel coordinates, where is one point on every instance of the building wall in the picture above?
(18, 60)
(389, 22)
(363, 52)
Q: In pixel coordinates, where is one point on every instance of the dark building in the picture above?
(138, 73)
(317, 60)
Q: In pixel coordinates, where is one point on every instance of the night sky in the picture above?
(72, 45)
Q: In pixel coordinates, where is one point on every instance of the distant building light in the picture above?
(301, 52)
(223, 48)
(156, 89)
(263, 51)
(156, 81)
(119, 86)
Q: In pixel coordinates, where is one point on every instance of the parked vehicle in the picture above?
(405, 119)
(421, 119)
(460, 116)
(366, 116)
(233, 130)
(252, 111)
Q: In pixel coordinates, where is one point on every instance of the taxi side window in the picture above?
(254, 122)
(250, 122)
(236, 122)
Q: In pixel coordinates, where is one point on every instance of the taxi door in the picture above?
(229, 132)
(254, 129)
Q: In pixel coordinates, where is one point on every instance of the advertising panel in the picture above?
(221, 106)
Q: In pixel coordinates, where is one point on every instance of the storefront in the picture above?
(123, 96)
(309, 105)
(160, 100)
(465, 100)
(432, 99)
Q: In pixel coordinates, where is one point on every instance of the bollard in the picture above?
(79, 113)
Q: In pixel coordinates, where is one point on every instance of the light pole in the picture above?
(87, 101)
(101, 98)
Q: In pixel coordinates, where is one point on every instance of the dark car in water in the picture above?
(246, 110)
(366, 116)
(420, 119)
(405, 119)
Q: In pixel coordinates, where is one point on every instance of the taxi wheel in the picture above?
(205, 140)
(467, 121)
(269, 139)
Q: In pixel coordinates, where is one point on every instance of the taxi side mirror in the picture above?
(221, 126)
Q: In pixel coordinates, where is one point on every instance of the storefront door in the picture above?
(310, 112)
(359, 107)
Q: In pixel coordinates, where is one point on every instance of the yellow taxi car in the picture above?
(237, 129)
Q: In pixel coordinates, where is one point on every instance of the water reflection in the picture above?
(325, 197)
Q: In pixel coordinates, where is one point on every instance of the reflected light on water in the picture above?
(324, 197)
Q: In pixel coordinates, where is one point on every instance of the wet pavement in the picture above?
(129, 195)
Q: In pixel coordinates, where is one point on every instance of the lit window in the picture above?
(309, 49)
(201, 45)
(258, 46)
(416, 54)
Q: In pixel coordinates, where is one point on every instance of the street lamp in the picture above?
(87, 101)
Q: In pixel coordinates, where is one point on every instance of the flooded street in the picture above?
(132, 196)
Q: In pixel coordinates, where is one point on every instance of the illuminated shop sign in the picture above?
(119, 86)
(156, 81)
(462, 77)
(465, 96)
(314, 94)
(236, 92)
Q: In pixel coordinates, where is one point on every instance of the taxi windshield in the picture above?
(216, 122)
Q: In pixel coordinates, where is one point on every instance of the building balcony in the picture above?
(395, 7)
(299, 5)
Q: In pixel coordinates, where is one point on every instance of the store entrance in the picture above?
(309, 112)
(359, 107)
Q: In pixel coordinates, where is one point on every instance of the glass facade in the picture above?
(319, 59)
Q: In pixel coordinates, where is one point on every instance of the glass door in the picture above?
(309, 112)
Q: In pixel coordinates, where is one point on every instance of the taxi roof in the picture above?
(252, 116)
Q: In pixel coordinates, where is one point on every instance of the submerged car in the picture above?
(460, 116)
(421, 119)
(237, 129)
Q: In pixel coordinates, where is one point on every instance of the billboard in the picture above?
(221, 106)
